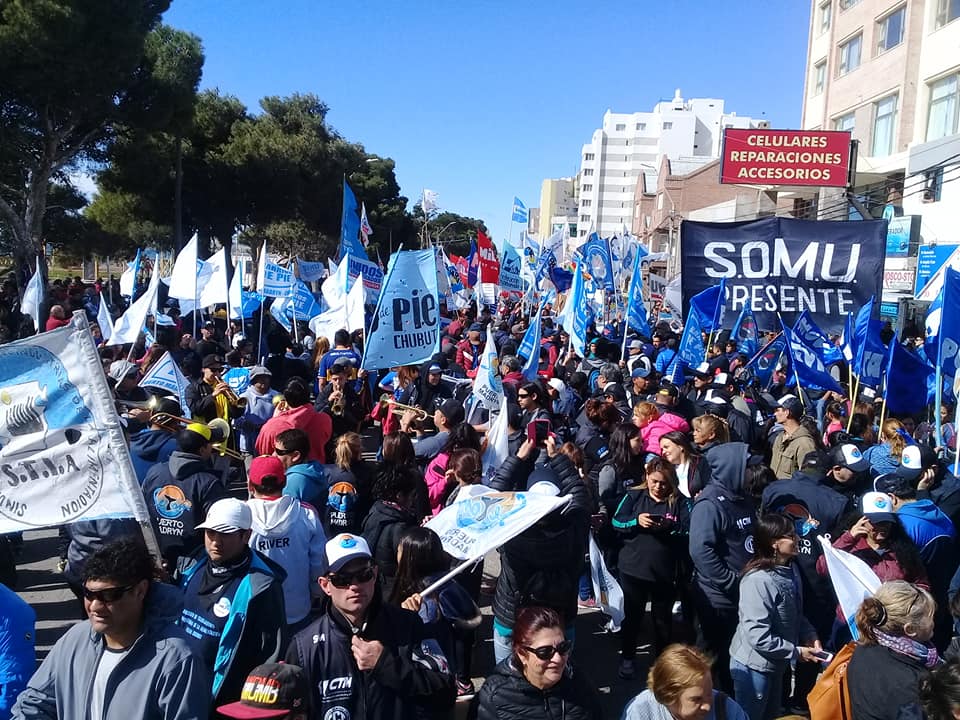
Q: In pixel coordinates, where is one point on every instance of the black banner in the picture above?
(787, 266)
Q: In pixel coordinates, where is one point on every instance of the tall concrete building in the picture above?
(630, 144)
(559, 200)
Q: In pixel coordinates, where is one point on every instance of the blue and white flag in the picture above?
(370, 272)
(636, 309)
(510, 279)
(488, 386)
(529, 348)
(806, 364)
(165, 375)
(908, 376)
(848, 341)
(816, 339)
(943, 324)
(765, 362)
(350, 226)
(576, 314)
(853, 581)
(311, 271)
(61, 443)
(128, 280)
(690, 351)
(745, 332)
(453, 275)
(406, 326)
(519, 211)
(33, 297)
(238, 378)
(871, 356)
(595, 253)
(710, 305)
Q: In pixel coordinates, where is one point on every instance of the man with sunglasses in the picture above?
(366, 658)
(128, 660)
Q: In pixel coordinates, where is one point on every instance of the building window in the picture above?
(587, 157)
(584, 218)
(587, 188)
(890, 30)
(844, 122)
(667, 125)
(819, 77)
(620, 127)
(947, 11)
(849, 55)
(826, 14)
(884, 125)
(586, 203)
(944, 105)
(588, 172)
(641, 126)
(847, 4)
(583, 233)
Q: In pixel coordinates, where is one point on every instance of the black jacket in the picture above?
(652, 554)
(412, 679)
(542, 564)
(202, 404)
(506, 695)
(884, 685)
(178, 494)
(382, 528)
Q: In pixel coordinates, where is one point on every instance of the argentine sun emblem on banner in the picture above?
(62, 450)
(406, 326)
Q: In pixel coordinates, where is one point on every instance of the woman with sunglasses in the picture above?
(537, 680)
(893, 654)
(773, 632)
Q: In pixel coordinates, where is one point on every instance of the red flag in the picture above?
(489, 265)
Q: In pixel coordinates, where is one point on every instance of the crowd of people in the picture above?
(291, 571)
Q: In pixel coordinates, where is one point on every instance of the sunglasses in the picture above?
(106, 595)
(344, 580)
(523, 395)
(282, 451)
(546, 652)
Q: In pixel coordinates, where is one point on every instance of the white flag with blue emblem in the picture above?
(519, 211)
(853, 581)
(165, 375)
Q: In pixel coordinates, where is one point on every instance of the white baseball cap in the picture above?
(228, 516)
(911, 463)
(343, 548)
(878, 507)
(557, 384)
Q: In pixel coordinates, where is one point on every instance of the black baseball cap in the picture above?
(271, 690)
(212, 361)
(453, 411)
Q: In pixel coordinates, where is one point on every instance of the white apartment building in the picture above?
(630, 144)
(558, 205)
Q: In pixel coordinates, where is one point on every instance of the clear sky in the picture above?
(480, 101)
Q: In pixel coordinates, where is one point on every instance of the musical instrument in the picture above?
(232, 397)
(280, 403)
(138, 404)
(168, 422)
(387, 400)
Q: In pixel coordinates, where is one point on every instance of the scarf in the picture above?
(926, 654)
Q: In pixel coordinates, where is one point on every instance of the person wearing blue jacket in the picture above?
(128, 661)
(17, 658)
(155, 443)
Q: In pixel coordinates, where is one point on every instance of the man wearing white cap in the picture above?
(366, 658)
(233, 607)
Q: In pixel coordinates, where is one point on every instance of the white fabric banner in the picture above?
(488, 387)
(62, 450)
(498, 441)
(213, 279)
(103, 319)
(481, 520)
(606, 589)
(129, 325)
(184, 278)
(33, 297)
(852, 579)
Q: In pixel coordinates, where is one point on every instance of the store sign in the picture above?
(931, 258)
(897, 280)
(819, 158)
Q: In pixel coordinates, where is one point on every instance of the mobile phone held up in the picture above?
(538, 431)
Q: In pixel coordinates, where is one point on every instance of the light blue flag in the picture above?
(350, 226)
(530, 348)
(816, 339)
(636, 310)
(691, 350)
(709, 304)
(311, 271)
(510, 279)
(745, 332)
(576, 313)
(277, 280)
(519, 211)
(238, 379)
(406, 324)
(597, 262)
(806, 365)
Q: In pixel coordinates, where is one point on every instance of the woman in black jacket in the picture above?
(541, 565)
(537, 680)
(654, 521)
(390, 517)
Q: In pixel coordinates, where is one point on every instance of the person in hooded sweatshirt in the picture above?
(156, 442)
(721, 543)
(306, 479)
(180, 492)
(288, 532)
(260, 399)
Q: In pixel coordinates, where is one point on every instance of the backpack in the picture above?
(830, 697)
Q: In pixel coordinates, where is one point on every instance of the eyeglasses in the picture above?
(546, 652)
(106, 595)
(523, 395)
(282, 451)
(344, 580)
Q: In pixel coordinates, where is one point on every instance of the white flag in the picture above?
(355, 317)
(61, 442)
(365, 230)
(129, 325)
(498, 438)
(481, 520)
(33, 298)
(606, 589)
(165, 375)
(334, 288)
(183, 279)
(103, 319)
(212, 279)
(347, 315)
(853, 581)
(429, 201)
(487, 386)
(235, 293)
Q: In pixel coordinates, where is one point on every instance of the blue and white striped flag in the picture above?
(519, 211)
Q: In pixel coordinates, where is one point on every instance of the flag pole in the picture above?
(853, 397)
(956, 455)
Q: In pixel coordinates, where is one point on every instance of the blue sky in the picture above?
(480, 101)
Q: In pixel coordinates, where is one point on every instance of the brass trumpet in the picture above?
(168, 422)
(232, 397)
(387, 399)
